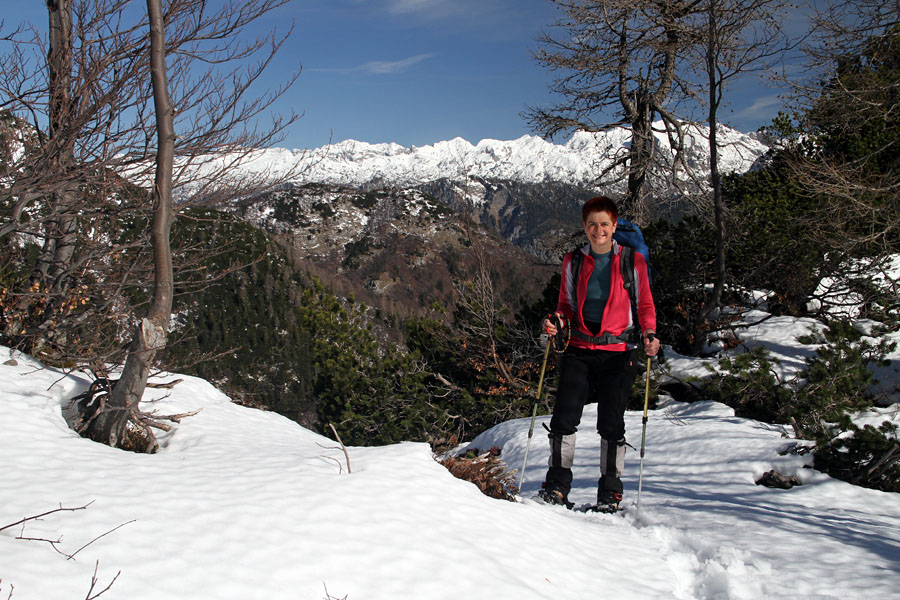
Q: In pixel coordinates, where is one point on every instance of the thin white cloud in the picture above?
(415, 6)
(381, 67)
(431, 10)
(464, 14)
(761, 107)
(385, 67)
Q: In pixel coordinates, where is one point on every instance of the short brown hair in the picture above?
(598, 204)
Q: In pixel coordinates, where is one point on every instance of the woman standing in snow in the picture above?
(599, 363)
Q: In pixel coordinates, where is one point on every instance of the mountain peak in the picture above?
(528, 159)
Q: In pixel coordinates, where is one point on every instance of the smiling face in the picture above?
(599, 228)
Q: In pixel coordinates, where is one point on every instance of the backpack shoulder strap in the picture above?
(575, 266)
(626, 263)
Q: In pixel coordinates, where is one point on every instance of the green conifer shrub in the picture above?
(682, 259)
(372, 391)
(770, 246)
(819, 403)
(237, 317)
(866, 456)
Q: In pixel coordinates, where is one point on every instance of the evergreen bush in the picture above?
(819, 403)
(373, 392)
(770, 246)
(682, 258)
(866, 456)
(749, 383)
(242, 329)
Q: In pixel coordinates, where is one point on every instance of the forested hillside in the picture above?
(287, 331)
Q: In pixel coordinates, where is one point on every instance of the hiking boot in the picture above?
(607, 501)
(552, 496)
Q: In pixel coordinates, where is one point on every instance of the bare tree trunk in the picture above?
(122, 424)
(732, 37)
(641, 155)
(714, 91)
(59, 66)
(51, 276)
(715, 98)
(61, 111)
(163, 212)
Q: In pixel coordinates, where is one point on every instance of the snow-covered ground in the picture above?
(243, 504)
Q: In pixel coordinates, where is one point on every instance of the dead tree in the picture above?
(616, 63)
(107, 130)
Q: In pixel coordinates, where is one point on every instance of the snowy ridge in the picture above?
(529, 159)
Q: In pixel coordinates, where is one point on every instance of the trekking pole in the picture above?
(534, 414)
(644, 432)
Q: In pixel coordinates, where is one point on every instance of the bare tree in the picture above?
(486, 315)
(616, 62)
(103, 118)
(116, 424)
(151, 335)
(733, 38)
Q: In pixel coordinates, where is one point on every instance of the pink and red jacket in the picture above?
(617, 316)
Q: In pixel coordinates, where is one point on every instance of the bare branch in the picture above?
(72, 556)
(167, 386)
(343, 447)
(49, 512)
(90, 594)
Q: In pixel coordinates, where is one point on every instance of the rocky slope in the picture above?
(399, 250)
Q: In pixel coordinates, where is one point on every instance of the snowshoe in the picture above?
(607, 502)
(553, 497)
(606, 509)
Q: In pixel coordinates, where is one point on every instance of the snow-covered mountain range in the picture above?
(383, 214)
(529, 159)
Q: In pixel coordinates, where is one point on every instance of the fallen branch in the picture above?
(55, 543)
(154, 421)
(167, 386)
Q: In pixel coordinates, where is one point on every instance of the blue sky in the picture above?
(416, 72)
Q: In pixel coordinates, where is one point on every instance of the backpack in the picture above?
(631, 240)
(629, 235)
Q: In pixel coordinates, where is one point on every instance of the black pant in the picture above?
(587, 376)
